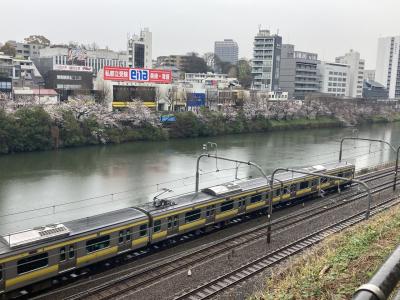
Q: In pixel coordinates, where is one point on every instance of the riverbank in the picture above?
(80, 123)
(335, 268)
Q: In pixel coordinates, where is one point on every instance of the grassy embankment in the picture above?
(32, 129)
(335, 268)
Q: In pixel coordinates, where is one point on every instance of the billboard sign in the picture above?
(137, 75)
(72, 68)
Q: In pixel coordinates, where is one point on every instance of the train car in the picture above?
(219, 204)
(34, 255)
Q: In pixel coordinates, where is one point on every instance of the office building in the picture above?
(334, 79)
(140, 50)
(298, 72)
(266, 61)
(227, 51)
(373, 90)
(356, 72)
(388, 65)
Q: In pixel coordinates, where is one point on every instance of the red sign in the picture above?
(137, 75)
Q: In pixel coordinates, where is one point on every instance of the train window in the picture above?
(121, 236)
(292, 188)
(227, 205)
(304, 185)
(1, 273)
(277, 192)
(32, 263)
(169, 222)
(192, 215)
(324, 179)
(97, 243)
(143, 229)
(71, 252)
(340, 174)
(62, 254)
(157, 225)
(128, 234)
(314, 182)
(175, 221)
(256, 198)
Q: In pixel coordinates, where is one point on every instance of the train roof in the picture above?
(46, 234)
(234, 187)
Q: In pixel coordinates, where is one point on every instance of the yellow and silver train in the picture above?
(41, 253)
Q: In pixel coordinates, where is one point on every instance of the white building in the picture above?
(26, 50)
(369, 75)
(334, 79)
(266, 61)
(140, 50)
(211, 80)
(356, 72)
(96, 59)
(388, 65)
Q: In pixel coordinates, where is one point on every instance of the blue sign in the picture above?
(138, 75)
(168, 118)
(196, 99)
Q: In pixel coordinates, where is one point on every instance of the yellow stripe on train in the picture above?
(97, 254)
(31, 275)
(192, 224)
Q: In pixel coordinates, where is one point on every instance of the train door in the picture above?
(67, 257)
(293, 189)
(210, 213)
(173, 225)
(124, 240)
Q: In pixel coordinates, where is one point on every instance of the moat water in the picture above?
(55, 186)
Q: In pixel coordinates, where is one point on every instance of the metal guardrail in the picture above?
(383, 282)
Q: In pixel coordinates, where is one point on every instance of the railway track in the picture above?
(241, 274)
(159, 269)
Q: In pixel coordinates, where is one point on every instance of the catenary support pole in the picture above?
(378, 141)
(322, 175)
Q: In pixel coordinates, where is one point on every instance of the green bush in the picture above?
(71, 133)
(32, 130)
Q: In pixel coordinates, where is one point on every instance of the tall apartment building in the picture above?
(356, 72)
(27, 51)
(298, 72)
(140, 50)
(388, 65)
(266, 61)
(227, 51)
(334, 79)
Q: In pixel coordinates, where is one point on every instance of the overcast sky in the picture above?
(327, 27)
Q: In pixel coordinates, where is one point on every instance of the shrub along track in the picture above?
(119, 285)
